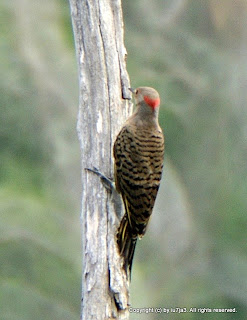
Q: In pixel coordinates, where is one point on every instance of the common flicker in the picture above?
(138, 152)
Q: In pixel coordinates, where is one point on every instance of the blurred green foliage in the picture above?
(194, 254)
(40, 267)
(194, 55)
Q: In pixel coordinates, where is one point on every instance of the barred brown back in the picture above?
(138, 153)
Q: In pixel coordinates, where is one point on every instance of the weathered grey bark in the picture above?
(104, 106)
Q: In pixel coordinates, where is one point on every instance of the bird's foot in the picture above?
(107, 182)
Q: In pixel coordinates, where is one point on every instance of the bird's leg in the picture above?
(107, 182)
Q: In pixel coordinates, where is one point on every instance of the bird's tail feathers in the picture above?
(127, 242)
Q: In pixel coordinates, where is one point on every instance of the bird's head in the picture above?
(146, 96)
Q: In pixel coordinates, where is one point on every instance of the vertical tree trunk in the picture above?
(103, 107)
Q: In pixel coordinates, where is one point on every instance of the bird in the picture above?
(139, 154)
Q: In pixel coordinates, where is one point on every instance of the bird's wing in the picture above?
(138, 167)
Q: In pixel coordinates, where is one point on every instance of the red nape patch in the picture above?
(152, 102)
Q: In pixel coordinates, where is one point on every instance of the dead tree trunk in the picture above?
(103, 107)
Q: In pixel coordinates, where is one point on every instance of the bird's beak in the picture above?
(132, 90)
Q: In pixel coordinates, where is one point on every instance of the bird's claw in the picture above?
(107, 182)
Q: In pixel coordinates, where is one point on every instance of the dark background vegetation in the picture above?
(194, 52)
